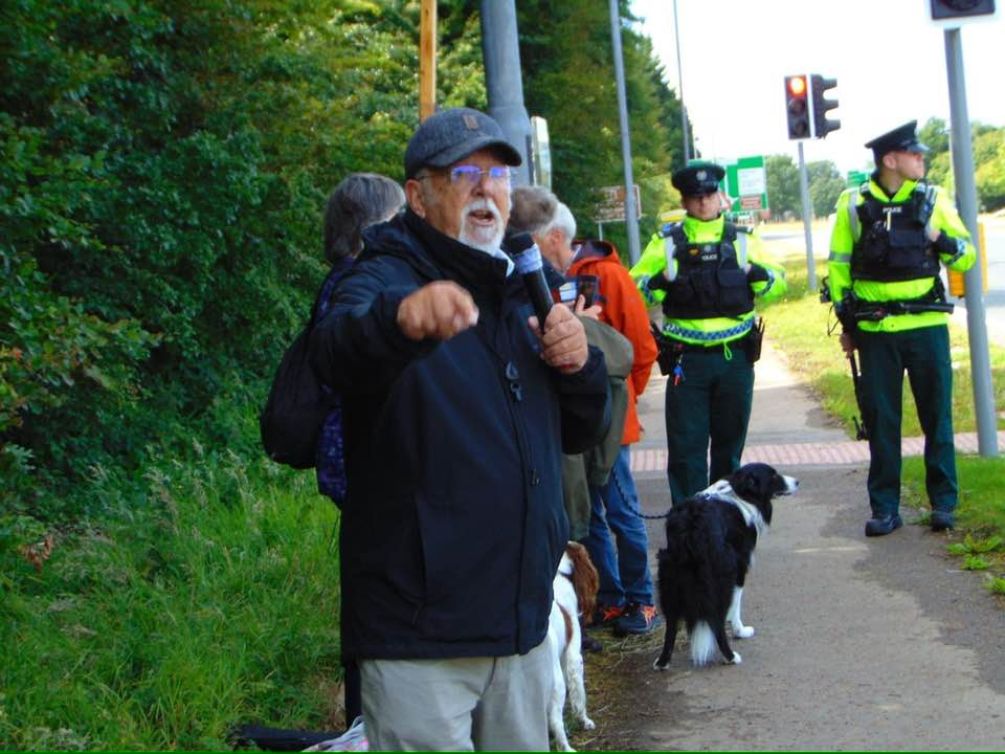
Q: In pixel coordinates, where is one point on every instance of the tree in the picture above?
(934, 135)
(566, 53)
(826, 185)
(782, 185)
(161, 228)
(989, 157)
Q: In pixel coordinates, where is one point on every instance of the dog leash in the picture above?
(654, 516)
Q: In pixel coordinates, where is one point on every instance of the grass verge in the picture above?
(209, 603)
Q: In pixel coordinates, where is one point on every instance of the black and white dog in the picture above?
(710, 542)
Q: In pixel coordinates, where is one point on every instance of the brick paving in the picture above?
(807, 454)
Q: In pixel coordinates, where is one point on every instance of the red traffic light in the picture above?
(797, 86)
(797, 110)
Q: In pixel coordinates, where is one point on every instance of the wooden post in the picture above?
(427, 60)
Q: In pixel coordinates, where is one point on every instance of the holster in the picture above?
(755, 340)
(666, 352)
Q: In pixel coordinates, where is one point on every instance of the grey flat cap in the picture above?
(449, 135)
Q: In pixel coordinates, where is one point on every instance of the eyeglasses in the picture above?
(471, 175)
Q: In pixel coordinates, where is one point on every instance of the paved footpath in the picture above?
(862, 644)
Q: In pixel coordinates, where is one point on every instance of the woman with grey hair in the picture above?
(359, 201)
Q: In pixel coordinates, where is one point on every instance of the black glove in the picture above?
(757, 273)
(948, 246)
(845, 315)
(658, 283)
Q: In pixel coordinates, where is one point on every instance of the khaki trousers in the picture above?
(458, 704)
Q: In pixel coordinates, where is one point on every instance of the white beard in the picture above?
(478, 237)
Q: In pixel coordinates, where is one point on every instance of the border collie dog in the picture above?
(710, 543)
(575, 587)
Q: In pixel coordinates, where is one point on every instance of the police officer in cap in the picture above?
(890, 236)
(706, 272)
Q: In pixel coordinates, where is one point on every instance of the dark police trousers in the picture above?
(711, 404)
(924, 354)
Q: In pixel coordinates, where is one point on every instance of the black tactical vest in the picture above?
(893, 244)
(709, 280)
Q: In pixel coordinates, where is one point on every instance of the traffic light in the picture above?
(947, 10)
(797, 107)
(818, 90)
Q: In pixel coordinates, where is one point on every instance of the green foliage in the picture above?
(211, 603)
(782, 179)
(975, 545)
(934, 134)
(163, 169)
(989, 156)
(826, 185)
(567, 55)
(988, 147)
(975, 563)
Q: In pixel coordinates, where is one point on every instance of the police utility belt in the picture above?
(671, 350)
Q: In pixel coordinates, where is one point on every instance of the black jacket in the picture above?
(454, 523)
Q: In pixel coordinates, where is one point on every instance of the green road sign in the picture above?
(747, 184)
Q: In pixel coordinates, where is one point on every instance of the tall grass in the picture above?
(210, 601)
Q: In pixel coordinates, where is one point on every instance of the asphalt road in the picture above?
(861, 644)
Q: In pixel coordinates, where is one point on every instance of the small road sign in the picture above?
(612, 204)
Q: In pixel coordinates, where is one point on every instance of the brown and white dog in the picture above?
(575, 587)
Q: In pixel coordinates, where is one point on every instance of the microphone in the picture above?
(527, 258)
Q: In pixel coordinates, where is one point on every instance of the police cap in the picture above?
(698, 178)
(901, 139)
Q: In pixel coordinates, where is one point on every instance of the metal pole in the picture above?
(804, 191)
(631, 216)
(680, 86)
(501, 51)
(966, 201)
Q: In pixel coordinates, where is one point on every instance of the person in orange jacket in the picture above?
(616, 537)
(625, 600)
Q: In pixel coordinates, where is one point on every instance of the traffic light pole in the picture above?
(631, 213)
(804, 190)
(966, 200)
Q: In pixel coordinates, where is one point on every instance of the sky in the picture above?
(888, 56)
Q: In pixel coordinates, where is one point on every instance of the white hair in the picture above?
(563, 221)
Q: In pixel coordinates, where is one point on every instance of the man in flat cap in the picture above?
(456, 412)
(706, 272)
(890, 236)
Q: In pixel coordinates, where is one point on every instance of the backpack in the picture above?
(299, 403)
